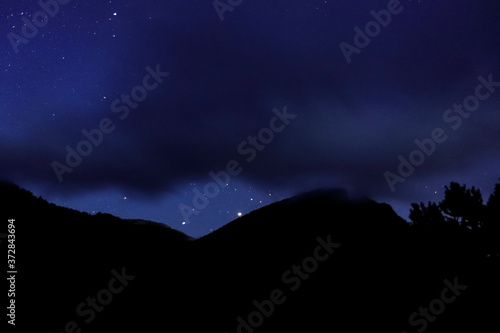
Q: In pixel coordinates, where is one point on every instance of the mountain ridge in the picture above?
(213, 282)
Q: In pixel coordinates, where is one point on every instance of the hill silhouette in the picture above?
(319, 261)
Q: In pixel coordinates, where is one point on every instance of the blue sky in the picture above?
(225, 79)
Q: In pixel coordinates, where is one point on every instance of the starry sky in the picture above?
(193, 113)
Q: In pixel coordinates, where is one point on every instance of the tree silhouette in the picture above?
(493, 206)
(426, 215)
(463, 205)
(492, 221)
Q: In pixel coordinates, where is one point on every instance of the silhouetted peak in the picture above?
(333, 194)
(10, 188)
(28, 207)
(15, 196)
(312, 213)
(158, 226)
(7, 184)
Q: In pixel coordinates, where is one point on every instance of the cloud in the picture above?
(354, 120)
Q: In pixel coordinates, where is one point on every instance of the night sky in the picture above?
(138, 108)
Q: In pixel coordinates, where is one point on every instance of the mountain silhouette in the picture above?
(315, 262)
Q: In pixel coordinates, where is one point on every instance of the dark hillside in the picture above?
(329, 262)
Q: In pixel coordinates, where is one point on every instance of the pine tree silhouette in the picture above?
(463, 205)
(492, 221)
(426, 215)
(463, 208)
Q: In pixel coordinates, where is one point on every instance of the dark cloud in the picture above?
(353, 120)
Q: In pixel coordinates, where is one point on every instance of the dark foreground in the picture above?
(315, 263)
